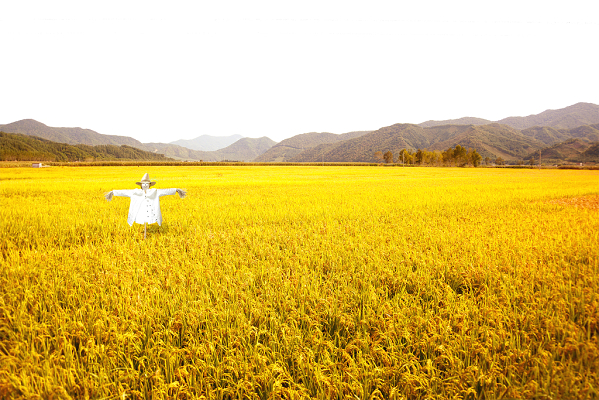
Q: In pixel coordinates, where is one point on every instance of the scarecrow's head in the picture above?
(145, 182)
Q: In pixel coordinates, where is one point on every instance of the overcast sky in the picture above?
(162, 71)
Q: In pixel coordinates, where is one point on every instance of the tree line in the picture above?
(458, 156)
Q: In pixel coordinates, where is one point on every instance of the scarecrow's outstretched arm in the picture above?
(123, 193)
(169, 192)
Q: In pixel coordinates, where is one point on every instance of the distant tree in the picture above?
(459, 154)
(532, 161)
(447, 156)
(378, 156)
(499, 161)
(429, 157)
(404, 156)
(487, 161)
(412, 158)
(407, 156)
(419, 156)
(474, 158)
(388, 156)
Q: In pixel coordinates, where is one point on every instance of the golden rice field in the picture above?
(301, 282)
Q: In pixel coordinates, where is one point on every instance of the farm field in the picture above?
(301, 282)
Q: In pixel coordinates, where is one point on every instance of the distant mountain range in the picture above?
(568, 134)
(493, 141)
(246, 150)
(503, 139)
(497, 140)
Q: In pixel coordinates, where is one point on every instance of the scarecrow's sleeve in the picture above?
(123, 193)
(168, 192)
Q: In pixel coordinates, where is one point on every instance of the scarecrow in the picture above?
(145, 202)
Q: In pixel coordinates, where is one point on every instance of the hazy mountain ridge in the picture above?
(208, 142)
(570, 117)
(579, 114)
(174, 151)
(245, 149)
(459, 121)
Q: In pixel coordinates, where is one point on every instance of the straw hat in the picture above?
(146, 179)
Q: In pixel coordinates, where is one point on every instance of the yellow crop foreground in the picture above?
(301, 282)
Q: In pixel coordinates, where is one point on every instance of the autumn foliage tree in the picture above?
(460, 155)
(473, 157)
(419, 156)
(388, 156)
(406, 157)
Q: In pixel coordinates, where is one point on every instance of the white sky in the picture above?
(162, 71)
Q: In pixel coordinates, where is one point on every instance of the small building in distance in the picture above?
(37, 165)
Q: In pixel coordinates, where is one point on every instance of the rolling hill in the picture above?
(73, 136)
(551, 136)
(591, 154)
(586, 132)
(287, 149)
(546, 134)
(493, 140)
(570, 150)
(246, 149)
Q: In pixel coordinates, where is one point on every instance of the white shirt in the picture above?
(145, 206)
